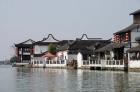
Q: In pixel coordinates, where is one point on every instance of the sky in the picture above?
(21, 20)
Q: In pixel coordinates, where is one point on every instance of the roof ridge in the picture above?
(135, 12)
(126, 29)
(27, 41)
(85, 35)
(49, 35)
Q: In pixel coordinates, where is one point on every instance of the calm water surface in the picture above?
(62, 80)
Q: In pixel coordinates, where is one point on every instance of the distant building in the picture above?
(36, 53)
(115, 54)
(84, 48)
(134, 58)
(134, 52)
(130, 33)
(30, 50)
(25, 50)
(85, 51)
(40, 47)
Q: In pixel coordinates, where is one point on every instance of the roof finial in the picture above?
(84, 35)
(50, 36)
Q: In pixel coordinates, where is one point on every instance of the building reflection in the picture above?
(104, 81)
(63, 80)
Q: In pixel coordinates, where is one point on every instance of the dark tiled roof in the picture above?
(136, 12)
(42, 42)
(88, 44)
(22, 44)
(85, 36)
(128, 29)
(85, 51)
(111, 46)
(50, 36)
(84, 46)
(64, 44)
(134, 49)
(63, 47)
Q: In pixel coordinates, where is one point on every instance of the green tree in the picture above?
(52, 48)
(13, 59)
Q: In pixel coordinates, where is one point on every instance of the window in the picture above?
(26, 57)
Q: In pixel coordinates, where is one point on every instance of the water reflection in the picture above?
(62, 80)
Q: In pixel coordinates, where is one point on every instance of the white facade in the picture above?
(79, 60)
(57, 62)
(133, 63)
(38, 49)
(63, 55)
(72, 57)
(68, 57)
(134, 33)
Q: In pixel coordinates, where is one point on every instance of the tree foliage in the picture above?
(52, 48)
(13, 59)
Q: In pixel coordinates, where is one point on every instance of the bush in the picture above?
(52, 48)
(13, 59)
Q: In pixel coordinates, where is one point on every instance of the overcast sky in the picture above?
(65, 19)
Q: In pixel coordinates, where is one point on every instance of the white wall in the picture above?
(65, 53)
(134, 34)
(38, 58)
(38, 49)
(72, 57)
(67, 56)
(134, 64)
(79, 60)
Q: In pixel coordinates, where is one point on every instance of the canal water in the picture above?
(61, 80)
